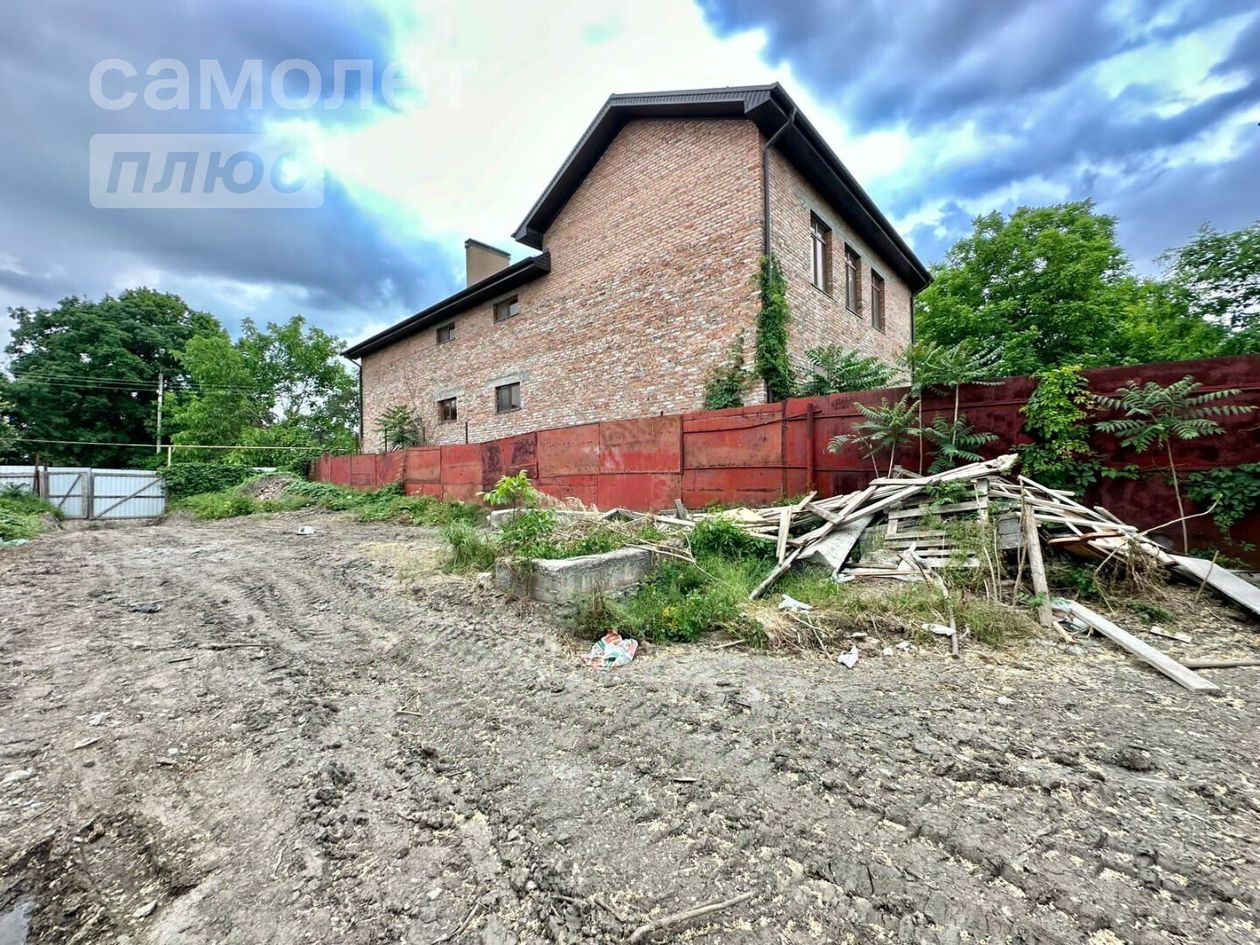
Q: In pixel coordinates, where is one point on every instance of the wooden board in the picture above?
(836, 547)
(1222, 580)
(1179, 674)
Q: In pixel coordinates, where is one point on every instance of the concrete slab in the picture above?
(570, 579)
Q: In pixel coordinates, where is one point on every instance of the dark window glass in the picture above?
(446, 410)
(877, 301)
(506, 308)
(445, 333)
(852, 279)
(820, 253)
(507, 398)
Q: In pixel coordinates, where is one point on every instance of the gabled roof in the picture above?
(505, 280)
(768, 107)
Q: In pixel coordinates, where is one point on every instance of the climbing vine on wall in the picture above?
(726, 383)
(773, 364)
(1057, 418)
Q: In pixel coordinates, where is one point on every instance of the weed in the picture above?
(1150, 611)
(718, 537)
(228, 503)
(468, 548)
(20, 514)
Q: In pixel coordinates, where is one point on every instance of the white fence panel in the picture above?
(127, 493)
(80, 492)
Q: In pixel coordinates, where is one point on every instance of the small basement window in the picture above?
(447, 411)
(506, 308)
(445, 333)
(507, 398)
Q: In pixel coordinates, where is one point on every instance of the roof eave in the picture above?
(514, 276)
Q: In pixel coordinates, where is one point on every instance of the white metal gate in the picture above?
(79, 492)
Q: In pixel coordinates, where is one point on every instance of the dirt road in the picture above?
(230, 733)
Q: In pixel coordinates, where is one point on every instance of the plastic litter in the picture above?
(848, 660)
(611, 651)
(791, 603)
(939, 629)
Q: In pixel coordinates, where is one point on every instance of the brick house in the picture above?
(650, 240)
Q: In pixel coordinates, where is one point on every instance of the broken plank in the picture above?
(1222, 580)
(1037, 568)
(785, 523)
(836, 547)
(1182, 675)
(681, 510)
(778, 572)
(1220, 664)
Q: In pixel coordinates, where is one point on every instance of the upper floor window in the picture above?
(852, 279)
(820, 253)
(506, 308)
(877, 301)
(445, 333)
(446, 410)
(507, 397)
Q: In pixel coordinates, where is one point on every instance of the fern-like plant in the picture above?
(1155, 415)
(837, 370)
(886, 427)
(400, 429)
(956, 442)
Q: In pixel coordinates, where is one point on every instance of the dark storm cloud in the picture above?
(335, 258)
(1019, 74)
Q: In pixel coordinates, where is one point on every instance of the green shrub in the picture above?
(21, 514)
(188, 479)
(228, 503)
(468, 548)
(718, 537)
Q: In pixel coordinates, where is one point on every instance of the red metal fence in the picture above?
(759, 454)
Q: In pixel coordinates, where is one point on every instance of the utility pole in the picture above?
(157, 445)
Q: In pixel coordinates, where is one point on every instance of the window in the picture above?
(445, 333)
(820, 257)
(877, 301)
(446, 410)
(506, 308)
(852, 280)
(507, 397)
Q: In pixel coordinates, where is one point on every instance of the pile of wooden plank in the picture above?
(918, 539)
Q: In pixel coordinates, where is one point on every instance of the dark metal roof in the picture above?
(768, 107)
(505, 280)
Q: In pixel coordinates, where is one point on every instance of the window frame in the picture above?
(511, 407)
(820, 252)
(442, 402)
(512, 301)
(449, 328)
(879, 299)
(852, 280)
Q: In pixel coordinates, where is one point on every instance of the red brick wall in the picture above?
(819, 318)
(654, 261)
(652, 264)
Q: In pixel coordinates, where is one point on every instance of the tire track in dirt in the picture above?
(540, 801)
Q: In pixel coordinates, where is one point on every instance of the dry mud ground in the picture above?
(250, 777)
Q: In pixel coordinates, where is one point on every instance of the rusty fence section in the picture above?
(762, 453)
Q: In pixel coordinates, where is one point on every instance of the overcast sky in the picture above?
(943, 110)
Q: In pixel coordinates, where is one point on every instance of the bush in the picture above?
(20, 514)
(228, 503)
(188, 479)
(718, 537)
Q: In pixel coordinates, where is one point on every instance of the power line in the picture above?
(137, 387)
(180, 446)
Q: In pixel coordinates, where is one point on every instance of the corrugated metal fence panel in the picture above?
(127, 493)
(68, 490)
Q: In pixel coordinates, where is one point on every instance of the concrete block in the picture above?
(500, 517)
(568, 580)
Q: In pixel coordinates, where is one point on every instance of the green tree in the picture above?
(837, 370)
(1220, 274)
(1155, 415)
(400, 429)
(280, 386)
(1154, 322)
(8, 432)
(87, 372)
(885, 428)
(1042, 284)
